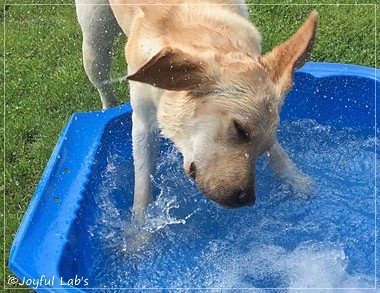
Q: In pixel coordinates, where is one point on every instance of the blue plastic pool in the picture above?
(73, 235)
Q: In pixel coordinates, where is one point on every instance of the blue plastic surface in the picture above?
(46, 243)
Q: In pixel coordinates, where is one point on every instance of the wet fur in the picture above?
(198, 78)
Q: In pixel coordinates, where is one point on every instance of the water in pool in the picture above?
(322, 239)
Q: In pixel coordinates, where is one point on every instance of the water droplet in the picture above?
(246, 156)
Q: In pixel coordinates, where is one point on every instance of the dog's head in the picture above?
(222, 109)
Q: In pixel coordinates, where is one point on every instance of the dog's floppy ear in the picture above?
(291, 55)
(173, 69)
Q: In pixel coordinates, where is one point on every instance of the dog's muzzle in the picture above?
(235, 199)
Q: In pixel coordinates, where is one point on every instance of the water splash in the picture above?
(115, 80)
(282, 242)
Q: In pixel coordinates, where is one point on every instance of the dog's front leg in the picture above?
(145, 151)
(284, 167)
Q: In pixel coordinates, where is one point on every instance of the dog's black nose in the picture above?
(244, 197)
(192, 171)
(238, 199)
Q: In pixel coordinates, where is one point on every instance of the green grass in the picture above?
(45, 82)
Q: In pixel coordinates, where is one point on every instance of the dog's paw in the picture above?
(136, 238)
(136, 241)
(301, 184)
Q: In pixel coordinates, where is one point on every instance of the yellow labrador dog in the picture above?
(197, 77)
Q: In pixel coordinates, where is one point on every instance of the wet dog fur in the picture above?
(197, 77)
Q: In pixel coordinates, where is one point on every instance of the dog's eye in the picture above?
(242, 133)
